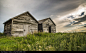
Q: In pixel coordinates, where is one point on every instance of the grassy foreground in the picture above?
(44, 42)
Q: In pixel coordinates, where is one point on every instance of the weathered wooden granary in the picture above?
(25, 23)
(47, 25)
(21, 25)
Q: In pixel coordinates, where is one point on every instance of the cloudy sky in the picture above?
(67, 14)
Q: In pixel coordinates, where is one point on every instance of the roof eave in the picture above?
(7, 21)
(19, 15)
(52, 21)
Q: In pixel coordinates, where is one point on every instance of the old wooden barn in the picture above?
(21, 25)
(25, 23)
(47, 25)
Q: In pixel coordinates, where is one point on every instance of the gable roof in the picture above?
(20, 15)
(43, 20)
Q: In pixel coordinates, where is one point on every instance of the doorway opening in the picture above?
(49, 29)
(40, 28)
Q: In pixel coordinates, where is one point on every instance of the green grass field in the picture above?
(44, 42)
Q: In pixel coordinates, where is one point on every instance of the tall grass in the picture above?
(44, 42)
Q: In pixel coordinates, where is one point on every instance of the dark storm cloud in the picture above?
(82, 13)
(84, 26)
(80, 20)
(56, 7)
(72, 17)
(69, 25)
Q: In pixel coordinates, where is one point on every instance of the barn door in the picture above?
(25, 29)
(50, 29)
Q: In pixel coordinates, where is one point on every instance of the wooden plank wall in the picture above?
(7, 28)
(19, 22)
(46, 25)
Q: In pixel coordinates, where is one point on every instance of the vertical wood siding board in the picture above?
(4, 28)
(7, 27)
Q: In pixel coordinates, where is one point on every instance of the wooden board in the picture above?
(48, 23)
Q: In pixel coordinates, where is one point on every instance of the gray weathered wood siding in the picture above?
(25, 23)
(53, 29)
(20, 22)
(7, 28)
(46, 25)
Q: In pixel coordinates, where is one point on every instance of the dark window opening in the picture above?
(40, 28)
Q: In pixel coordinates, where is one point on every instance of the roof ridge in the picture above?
(44, 19)
(41, 21)
(20, 15)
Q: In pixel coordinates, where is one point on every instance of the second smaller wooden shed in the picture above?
(47, 25)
